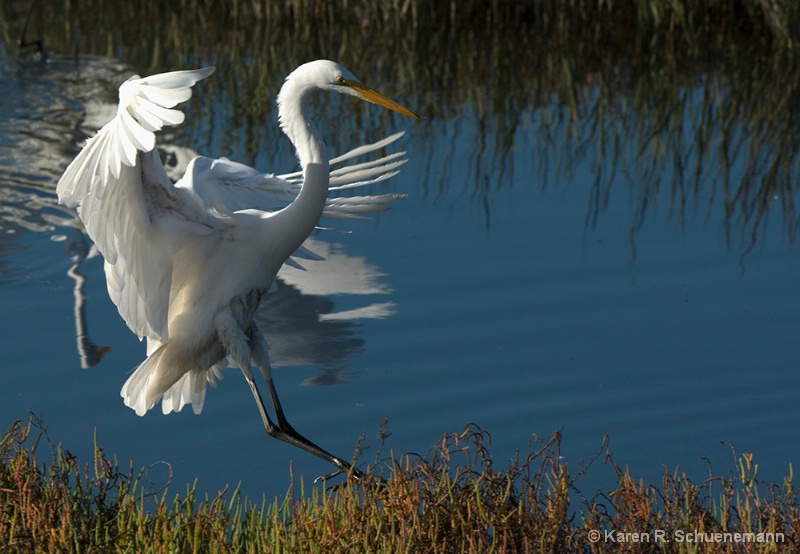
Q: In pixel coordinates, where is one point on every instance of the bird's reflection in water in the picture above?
(297, 336)
(89, 353)
(328, 377)
(300, 319)
(40, 113)
(25, 209)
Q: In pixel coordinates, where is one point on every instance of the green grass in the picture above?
(453, 499)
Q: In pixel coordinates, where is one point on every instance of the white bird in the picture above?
(187, 264)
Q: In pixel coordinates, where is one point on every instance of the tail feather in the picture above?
(159, 378)
(190, 389)
(134, 391)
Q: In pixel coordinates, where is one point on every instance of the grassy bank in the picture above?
(452, 499)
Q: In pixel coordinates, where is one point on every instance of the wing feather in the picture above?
(227, 186)
(121, 190)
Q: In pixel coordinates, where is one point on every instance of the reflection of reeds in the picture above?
(696, 100)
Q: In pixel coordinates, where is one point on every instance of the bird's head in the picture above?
(330, 76)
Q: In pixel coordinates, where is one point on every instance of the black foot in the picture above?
(356, 474)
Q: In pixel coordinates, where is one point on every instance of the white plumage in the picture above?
(188, 263)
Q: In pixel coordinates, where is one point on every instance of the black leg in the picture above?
(283, 430)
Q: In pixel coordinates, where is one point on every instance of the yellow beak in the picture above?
(377, 98)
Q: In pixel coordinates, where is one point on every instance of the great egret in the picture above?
(187, 264)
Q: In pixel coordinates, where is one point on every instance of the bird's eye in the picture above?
(341, 80)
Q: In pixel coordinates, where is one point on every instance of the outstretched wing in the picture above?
(226, 186)
(129, 206)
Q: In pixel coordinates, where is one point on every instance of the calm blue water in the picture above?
(484, 297)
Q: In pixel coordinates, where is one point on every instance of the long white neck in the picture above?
(295, 120)
(296, 221)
